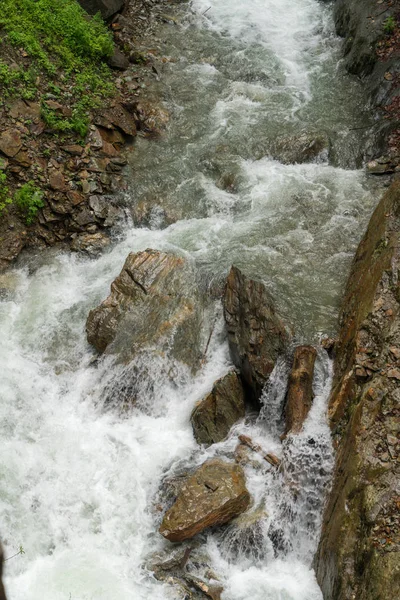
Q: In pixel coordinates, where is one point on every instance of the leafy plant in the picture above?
(29, 199)
(389, 25)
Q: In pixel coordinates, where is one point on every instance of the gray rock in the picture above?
(107, 8)
(256, 335)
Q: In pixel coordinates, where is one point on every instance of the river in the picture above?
(78, 482)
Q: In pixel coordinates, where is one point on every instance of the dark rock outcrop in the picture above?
(256, 336)
(300, 393)
(213, 495)
(359, 552)
(153, 306)
(215, 414)
(371, 52)
(107, 8)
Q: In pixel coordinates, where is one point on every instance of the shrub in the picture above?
(29, 199)
(389, 25)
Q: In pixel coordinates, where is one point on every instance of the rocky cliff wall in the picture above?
(359, 552)
(371, 51)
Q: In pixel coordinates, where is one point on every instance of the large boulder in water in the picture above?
(213, 495)
(256, 336)
(153, 306)
(215, 414)
(107, 8)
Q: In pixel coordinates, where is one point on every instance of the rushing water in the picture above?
(79, 483)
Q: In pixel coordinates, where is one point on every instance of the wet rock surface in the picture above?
(153, 305)
(300, 393)
(214, 415)
(213, 495)
(302, 148)
(188, 570)
(359, 552)
(256, 335)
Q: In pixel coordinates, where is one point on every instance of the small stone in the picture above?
(56, 180)
(10, 142)
(394, 374)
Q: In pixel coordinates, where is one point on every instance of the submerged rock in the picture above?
(300, 148)
(359, 552)
(256, 336)
(300, 393)
(213, 495)
(215, 414)
(153, 306)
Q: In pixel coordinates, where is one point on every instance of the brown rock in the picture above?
(215, 414)
(10, 142)
(23, 159)
(119, 117)
(25, 109)
(112, 136)
(154, 305)
(73, 149)
(300, 394)
(256, 336)
(91, 243)
(213, 495)
(56, 180)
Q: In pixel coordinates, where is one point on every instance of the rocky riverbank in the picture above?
(63, 168)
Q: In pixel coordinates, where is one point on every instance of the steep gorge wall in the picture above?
(372, 52)
(359, 552)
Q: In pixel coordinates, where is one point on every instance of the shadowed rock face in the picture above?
(213, 495)
(153, 306)
(256, 336)
(2, 592)
(214, 416)
(300, 393)
(107, 8)
(359, 553)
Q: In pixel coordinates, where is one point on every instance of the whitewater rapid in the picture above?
(78, 480)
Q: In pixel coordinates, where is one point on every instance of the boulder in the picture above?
(299, 396)
(10, 142)
(215, 414)
(301, 148)
(213, 495)
(154, 306)
(255, 334)
(107, 8)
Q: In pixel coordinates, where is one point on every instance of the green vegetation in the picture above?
(5, 199)
(29, 199)
(66, 50)
(389, 25)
